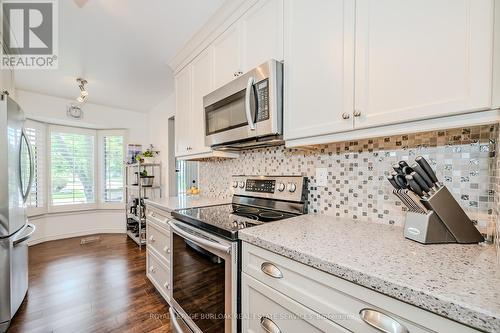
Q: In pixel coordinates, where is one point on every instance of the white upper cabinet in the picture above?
(419, 59)
(262, 34)
(319, 67)
(227, 56)
(183, 127)
(202, 84)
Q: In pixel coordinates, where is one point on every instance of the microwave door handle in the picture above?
(248, 95)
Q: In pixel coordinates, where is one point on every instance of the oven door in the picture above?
(204, 281)
(248, 107)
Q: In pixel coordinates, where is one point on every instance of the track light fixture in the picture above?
(83, 92)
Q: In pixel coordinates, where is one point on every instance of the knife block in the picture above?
(445, 222)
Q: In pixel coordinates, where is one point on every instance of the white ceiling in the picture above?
(121, 47)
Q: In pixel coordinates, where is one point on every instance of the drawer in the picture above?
(266, 310)
(158, 239)
(158, 217)
(329, 295)
(159, 274)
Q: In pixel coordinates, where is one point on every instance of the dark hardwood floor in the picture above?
(96, 287)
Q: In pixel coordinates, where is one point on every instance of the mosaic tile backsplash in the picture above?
(464, 160)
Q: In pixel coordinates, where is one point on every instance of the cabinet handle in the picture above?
(271, 270)
(152, 239)
(269, 326)
(381, 321)
(166, 285)
(346, 115)
(357, 113)
(166, 249)
(152, 269)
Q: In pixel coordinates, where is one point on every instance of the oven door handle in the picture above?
(199, 240)
(248, 95)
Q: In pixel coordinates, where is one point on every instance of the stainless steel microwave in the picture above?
(248, 111)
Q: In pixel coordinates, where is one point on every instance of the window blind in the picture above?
(72, 161)
(113, 168)
(36, 134)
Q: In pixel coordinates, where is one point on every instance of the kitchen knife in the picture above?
(393, 182)
(397, 168)
(418, 169)
(402, 164)
(407, 170)
(427, 168)
(414, 186)
(400, 179)
(420, 181)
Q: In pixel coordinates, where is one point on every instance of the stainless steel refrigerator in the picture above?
(16, 178)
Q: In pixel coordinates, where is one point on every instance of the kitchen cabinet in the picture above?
(6, 77)
(279, 287)
(319, 67)
(158, 262)
(202, 84)
(351, 70)
(252, 40)
(262, 34)
(422, 59)
(227, 56)
(183, 126)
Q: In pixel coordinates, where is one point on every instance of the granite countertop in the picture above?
(182, 202)
(460, 282)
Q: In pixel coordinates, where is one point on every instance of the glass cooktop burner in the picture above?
(226, 220)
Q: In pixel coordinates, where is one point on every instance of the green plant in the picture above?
(148, 153)
(144, 173)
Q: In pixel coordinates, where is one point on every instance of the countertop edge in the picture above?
(447, 309)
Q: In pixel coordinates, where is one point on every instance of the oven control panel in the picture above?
(291, 188)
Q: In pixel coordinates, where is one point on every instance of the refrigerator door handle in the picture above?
(24, 236)
(32, 168)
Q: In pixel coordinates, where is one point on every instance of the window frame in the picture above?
(101, 134)
(41, 176)
(51, 208)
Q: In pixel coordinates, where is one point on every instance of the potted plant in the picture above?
(146, 180)
(148, 157)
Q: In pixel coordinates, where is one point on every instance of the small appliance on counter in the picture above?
(205, 249)
(434, 216)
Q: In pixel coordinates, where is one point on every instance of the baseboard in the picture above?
(76, 234)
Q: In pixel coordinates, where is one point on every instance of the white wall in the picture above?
(53, 110)
(67, 225)
(158, 127)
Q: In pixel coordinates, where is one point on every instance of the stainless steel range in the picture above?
(205, 256)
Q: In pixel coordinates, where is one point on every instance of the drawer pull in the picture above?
(151, 239)
(269, 326)
(166, 249)
(166, 285)
(381, 321)
(271, 270)
(152, 269)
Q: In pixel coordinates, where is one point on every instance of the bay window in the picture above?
(75, 168)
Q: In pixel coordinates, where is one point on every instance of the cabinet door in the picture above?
(227, 56)
(319, 67)
(266, 310)
(262, 33)
(420, 59)
(183, 112)
(202, 84)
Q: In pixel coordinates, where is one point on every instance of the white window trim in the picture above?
(100, 157)
(33, 211)
(76, 207)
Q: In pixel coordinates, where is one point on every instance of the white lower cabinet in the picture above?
(267, 310)
(158, 261)
(320, 302)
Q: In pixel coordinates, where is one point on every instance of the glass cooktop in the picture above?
(226, 220)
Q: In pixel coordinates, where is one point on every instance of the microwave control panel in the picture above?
(262, 89)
